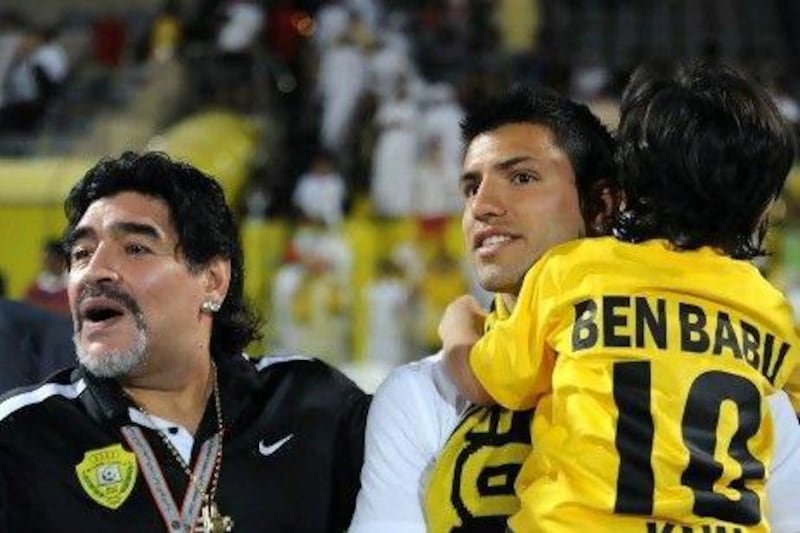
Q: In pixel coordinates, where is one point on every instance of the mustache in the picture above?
(111, 292)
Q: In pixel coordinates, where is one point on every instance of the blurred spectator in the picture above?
(109, 37)
(166, 33)
(590, 78)
(314, 243)
(50, 57)
(286, 28)
(34, 343)
(389, 303)
(342, 79)
(442, 48)
(442, 283)
(11, 41)
(518, 24)
(285, 331)
(38, 69)
(49, 290)
(312, 295)
(236, 41)
(394, 163)
(776, 79)
(321, 310)
(437, 190)
(259, 200)
(787, 105)
(368, 12)
(321, 192)
(332, 21)
(242, 23)
(389, 64)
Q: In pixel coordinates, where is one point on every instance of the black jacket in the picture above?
(307, 483)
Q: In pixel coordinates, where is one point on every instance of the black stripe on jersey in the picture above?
(635, 480)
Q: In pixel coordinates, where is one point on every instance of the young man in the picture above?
(546, 166)
(165, 425)
(649, 355)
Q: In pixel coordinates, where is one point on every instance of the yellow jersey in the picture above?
(471, 485)
(648, 368)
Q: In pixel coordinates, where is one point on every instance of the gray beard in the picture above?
(116, 363)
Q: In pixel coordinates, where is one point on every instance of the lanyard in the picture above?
(186, 517)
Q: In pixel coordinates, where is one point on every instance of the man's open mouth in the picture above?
(101, 314)
(97, 311)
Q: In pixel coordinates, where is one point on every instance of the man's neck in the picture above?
(509, 300)
(183, 401)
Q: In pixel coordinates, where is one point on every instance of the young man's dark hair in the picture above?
(702, 152)
(585, 140)
(201, 218)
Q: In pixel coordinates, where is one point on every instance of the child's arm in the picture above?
(460, 328)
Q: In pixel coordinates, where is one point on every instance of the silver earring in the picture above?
(210, 306)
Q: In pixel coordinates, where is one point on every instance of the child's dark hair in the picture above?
(702, 151)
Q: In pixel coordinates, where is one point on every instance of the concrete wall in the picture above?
(49, 11)
(44, 7)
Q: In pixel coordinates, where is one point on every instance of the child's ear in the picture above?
(608, 200)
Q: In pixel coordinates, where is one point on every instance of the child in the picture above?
(648, 355)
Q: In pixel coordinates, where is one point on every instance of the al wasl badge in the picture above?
(108, 475)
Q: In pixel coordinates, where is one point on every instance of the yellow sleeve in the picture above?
(512, 360)
(792, 385)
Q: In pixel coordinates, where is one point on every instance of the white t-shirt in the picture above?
(416, 409)
(412, 414)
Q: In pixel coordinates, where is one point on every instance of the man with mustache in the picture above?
(165, 425)
(543, 169)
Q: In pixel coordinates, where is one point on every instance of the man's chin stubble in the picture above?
(114, 363)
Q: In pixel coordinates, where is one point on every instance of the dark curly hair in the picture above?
(577, 131)
(201, 218)
(702, 151)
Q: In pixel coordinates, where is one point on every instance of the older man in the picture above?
(165, 425)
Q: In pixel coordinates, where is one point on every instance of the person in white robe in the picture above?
(342, 77)
(437, 189)
(394, 162)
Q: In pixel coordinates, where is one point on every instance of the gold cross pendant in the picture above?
(212, 521)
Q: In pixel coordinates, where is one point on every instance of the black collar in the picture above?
(107, 404)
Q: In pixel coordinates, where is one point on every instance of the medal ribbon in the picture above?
(186, 517)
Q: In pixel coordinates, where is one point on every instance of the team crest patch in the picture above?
(108, 475)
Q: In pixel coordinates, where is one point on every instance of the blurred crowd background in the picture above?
(333, 126)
